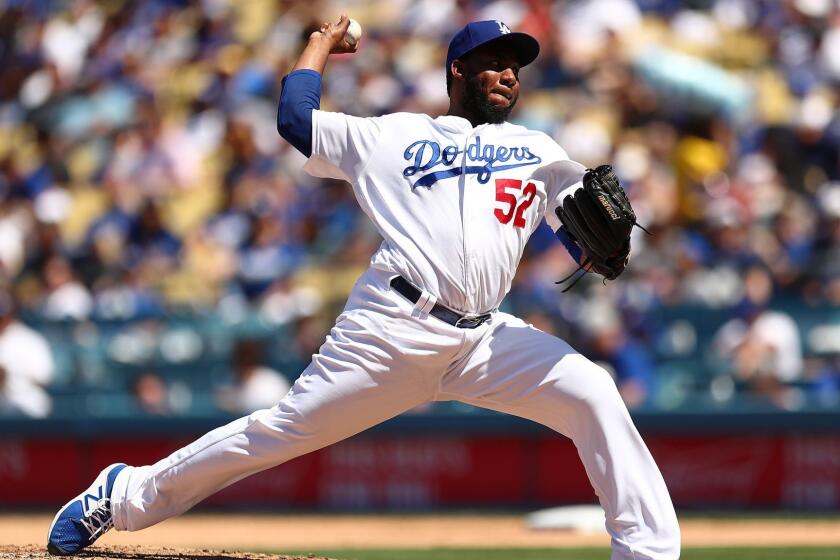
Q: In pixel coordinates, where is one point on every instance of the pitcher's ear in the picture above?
(457, 69)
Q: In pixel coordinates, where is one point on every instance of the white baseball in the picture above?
(354, 32)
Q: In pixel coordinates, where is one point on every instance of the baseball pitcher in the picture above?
(455, 199)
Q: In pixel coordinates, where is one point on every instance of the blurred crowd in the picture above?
(141, 175)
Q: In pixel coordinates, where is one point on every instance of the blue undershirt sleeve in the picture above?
(569, 244)
(300, 96)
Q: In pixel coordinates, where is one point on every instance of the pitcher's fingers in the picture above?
(343, 23)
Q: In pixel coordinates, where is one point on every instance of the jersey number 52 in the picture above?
(506, 193)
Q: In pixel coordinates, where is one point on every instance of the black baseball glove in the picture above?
(598, 217)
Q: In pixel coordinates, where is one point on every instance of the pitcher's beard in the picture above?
(476, 103)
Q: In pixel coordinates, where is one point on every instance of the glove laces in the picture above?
(575, 281)
(585, 262)
(641, 227)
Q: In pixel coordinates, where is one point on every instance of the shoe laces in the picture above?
(100, 519)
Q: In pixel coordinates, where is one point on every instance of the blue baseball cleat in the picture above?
(86, 517)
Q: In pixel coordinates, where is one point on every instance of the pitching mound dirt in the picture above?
(144, 553)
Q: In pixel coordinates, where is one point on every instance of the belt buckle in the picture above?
(471, 321)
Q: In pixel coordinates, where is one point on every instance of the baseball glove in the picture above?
(598, 217)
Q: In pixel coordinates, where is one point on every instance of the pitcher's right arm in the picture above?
(302, 86)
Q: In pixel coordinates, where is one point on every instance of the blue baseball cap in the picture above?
(478, 33)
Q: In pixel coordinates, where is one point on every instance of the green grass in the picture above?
(745, 553)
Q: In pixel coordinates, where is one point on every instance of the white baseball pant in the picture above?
(385, 356)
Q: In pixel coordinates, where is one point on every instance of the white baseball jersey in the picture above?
(454, 204)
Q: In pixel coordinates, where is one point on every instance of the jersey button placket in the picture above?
(462, 185)
(470, 192)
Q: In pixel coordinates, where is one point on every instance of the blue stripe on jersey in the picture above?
(300, 96)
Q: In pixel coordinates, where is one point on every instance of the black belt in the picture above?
(412, 294)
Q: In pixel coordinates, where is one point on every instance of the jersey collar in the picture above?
(459, 124)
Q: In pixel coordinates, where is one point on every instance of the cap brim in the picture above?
(526, 47)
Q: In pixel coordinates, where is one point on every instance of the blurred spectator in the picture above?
(762, 347)
(15, 225)
(266, 257)
(255, 386)
(151, 395)
(66, 297)
(823, 378)
(154, 396)
(827, 273)
(26, 366)
(151, 246)
(628, 359)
